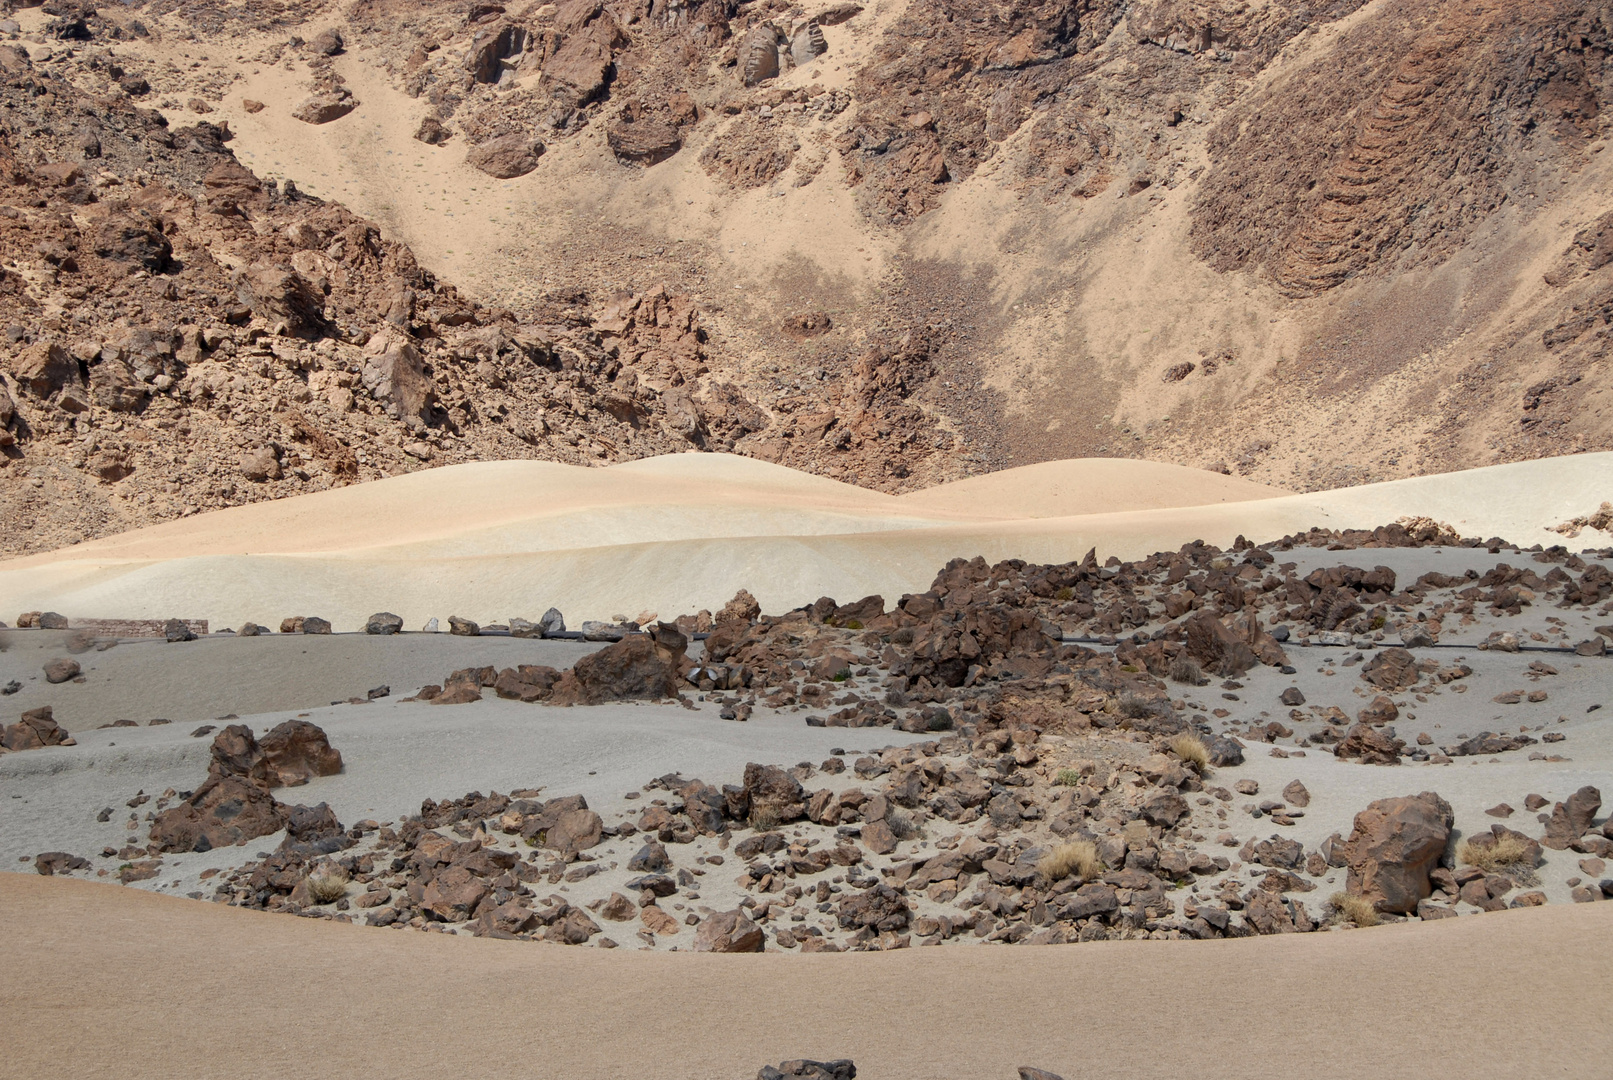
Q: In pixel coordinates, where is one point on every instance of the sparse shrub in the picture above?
(1065, 593)
(764, 818)
(1135, 706)
(1185, 670)
(1356, 909)
(327, 884)
(841, 675)
(1079, 857)
(1506, 853)
(902, 825)
(1191, 749)
(1378, 622)
(1067, 778)
(939, 720)
(854, 624)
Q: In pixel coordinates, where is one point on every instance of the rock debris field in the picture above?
(1322, 733)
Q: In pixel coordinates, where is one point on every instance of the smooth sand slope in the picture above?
(684, 532)
(168, 988)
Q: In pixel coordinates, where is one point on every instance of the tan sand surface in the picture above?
(684, 532)
(1086, 486)
(100, 981)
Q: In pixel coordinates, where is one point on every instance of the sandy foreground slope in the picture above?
(683, 532)
(166, 987)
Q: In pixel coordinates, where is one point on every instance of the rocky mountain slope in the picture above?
(1310, 243)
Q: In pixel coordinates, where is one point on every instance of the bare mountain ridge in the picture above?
(1308, 243)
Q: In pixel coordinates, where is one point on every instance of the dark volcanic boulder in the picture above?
(630, 669)
(295, 752)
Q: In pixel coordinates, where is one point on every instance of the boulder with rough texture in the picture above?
(261, 465)
(1392, 669)
(36, 729)
(45, 368)
(645, 141)
(507, 156)
(880, 908)
(323, 108)
(759, 55)
(225, 810)
(295, 752)
(807, 1069)
(433, 132)
(61, 669)
(313, 624)
(1231, 647)
(728, 932)
(463, 627)
(528, 682)
(278, 293)
(1370, 745)
(630, 669)
(552, 623)
(774, 796)
(1396, 843)
(808, 44)
(742, 609)
(383, 623)
(395, 375)
(51, 863)
(1571, 818)
(327, 42)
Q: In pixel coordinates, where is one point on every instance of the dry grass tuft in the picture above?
(1191, 749)
(1079, 857)
(1185, 670)
(1507, 853)
(327, 884)
(1356, 909)
(1135, 706)
(1067, 778)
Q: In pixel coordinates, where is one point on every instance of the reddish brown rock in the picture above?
(1370, 746)
(295, 752)
(36, 729)
(1395, 844)
(728, 932)
(506, 157)
(630, 669)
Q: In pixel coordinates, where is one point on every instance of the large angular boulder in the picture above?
(879, 909)
(45, 368)
(728, 932)
(1394, 847)
(1392, 669)
(774, 796)
(630, 669)
(395, 375)
(234, 804)
(507, 156)
(383, 623)
(225, 810)
(1571, 818)
(1232, 646)
(276, 292)
(323, 108)
(36, 729)
(295, 752)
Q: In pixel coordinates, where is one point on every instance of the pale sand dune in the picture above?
(1086, 486)
(100, 981)
(684, 532)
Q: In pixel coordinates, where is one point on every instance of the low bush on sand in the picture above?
(1079, 857)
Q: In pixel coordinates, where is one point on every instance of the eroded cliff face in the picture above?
(253, 253)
